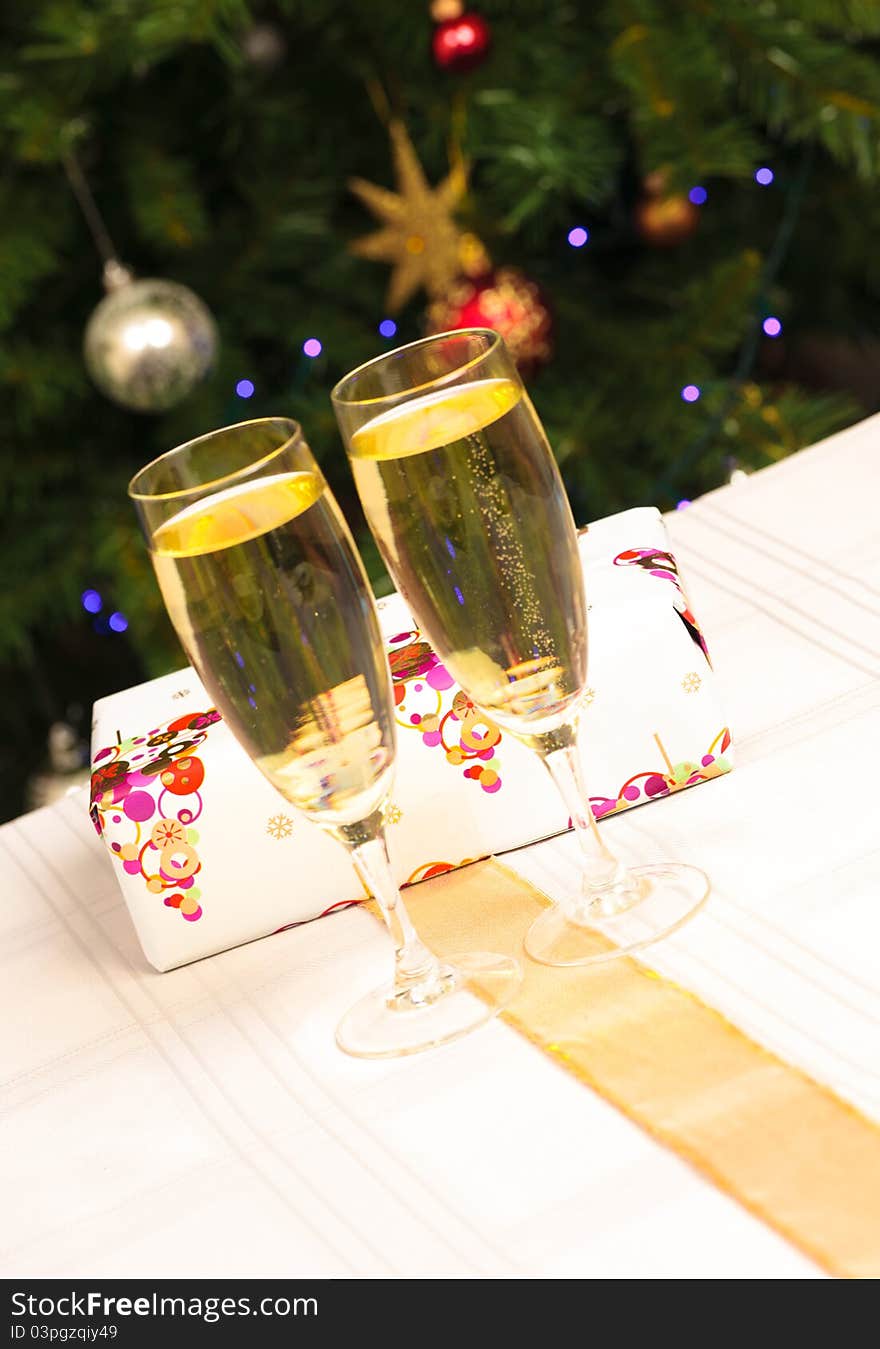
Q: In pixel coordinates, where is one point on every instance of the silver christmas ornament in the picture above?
(149, 342)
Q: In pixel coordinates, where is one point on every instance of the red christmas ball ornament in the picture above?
(461, 43)
(508, 301)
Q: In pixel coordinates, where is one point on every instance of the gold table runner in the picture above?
(787, 1148)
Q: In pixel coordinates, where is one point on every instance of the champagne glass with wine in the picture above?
(270, 600)
(465, 500)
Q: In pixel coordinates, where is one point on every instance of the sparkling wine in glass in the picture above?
(269, 597)
(465, 500)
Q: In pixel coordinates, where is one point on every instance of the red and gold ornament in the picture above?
(461, 40)
(505, 299)
(426, 249)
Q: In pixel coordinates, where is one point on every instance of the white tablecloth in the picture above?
(201, 1122)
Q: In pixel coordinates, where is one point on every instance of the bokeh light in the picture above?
(118, 622)
(388, 327)
(698, 195)
(683, 504)
(244, 388)
(772, 327)
(91, 601)
(312, 347)
(578, 236)
(764, 176)
(690, 393)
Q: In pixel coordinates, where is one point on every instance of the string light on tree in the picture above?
(387, 328)
(92, 601)
(245, 388)
(764, 176)
(772, 326)
(578, 236)
(698, 196)
(312, 347)
(690, 393)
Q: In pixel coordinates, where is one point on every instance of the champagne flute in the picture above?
(269, 597)
(464, 497)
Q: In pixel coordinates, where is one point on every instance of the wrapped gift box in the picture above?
(209, 855)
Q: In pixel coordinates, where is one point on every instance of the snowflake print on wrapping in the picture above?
(279, 826)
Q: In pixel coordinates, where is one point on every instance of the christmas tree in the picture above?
(667, 203)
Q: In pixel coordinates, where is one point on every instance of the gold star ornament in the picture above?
(418, 236)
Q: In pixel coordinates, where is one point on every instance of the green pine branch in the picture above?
(232, 178)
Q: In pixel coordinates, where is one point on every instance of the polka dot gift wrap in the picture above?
(209, 855)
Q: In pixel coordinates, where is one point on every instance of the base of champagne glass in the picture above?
(657, 900)
(471, 990)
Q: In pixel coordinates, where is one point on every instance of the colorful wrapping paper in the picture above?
(209, 855)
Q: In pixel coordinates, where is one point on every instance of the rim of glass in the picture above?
(495, 341)
(295, 435)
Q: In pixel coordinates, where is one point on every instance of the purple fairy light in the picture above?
(772, 327)
(764, 176)
(118, 622)
(690, 393)
(387, 328)
(244, 388)
(578, 236)
(698, 195)
(683, 504)
(312, 347)
(91, 601)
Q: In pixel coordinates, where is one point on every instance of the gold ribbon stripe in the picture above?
(784, 1146)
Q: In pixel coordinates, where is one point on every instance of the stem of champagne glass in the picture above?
(419, 977)
(605, 880)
